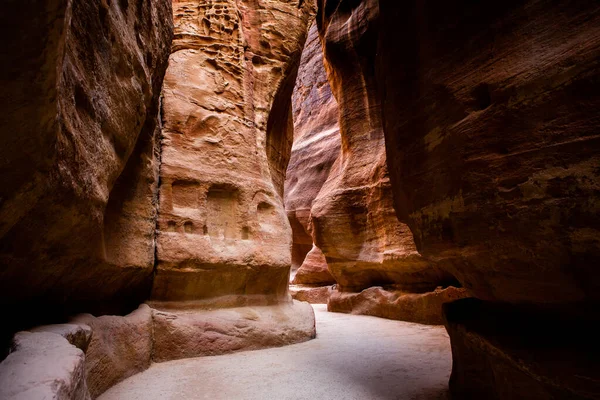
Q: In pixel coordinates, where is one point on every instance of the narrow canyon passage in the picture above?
(292, 199)
(353, 357)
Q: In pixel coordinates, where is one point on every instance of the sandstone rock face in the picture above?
(311, 294)
(194, 333)
(315, 149)
(79, 335)
(120, 347)
(314, 270)
(226, 140)
(422, 308)
(43, 365)
(353, 219)
(502, 353)
(490, 120)
(492, 141)
(81, 85)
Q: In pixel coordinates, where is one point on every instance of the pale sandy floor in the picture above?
(353, 357)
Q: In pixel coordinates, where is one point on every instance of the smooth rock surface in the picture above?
(491, 127)
(352, 358)
(422, 308)
(314, 270)
(315, 149)
(353, 219)
(120, 347)
(195, 333)
(227, 137)
(81, 82)
(311, 294)
(43, 365)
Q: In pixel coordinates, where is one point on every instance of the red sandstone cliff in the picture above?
(80, 100)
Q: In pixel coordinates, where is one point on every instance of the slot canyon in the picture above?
(300, 199)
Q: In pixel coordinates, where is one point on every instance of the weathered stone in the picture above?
(491, 125)
(311, 294)
(194, 333)
(43, 365)
(422, 308)
(314, 270)
(353, 218)
(120, 347)
(226, 141)
(315, 149)
(503, 353)
(78, 335)
(81, 82)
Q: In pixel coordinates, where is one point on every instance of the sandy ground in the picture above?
(353, 357)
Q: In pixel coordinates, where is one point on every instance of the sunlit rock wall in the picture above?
(226, 140)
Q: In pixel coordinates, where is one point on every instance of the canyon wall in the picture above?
(223, 234)
(316, 148)
(353, 218)
(80, 100)
(490, 116)
(491, 123)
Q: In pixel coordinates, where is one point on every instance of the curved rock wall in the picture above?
(316, 147)
(492, 137)
(226, 141)
(490, 116)
(81, 86)
(353, 218)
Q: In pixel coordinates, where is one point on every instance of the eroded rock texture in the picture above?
(353, 218)
(80, 91)
(490, 114)
(315, 149)
(491, 123)
(422, 308)
(120, 347)
(195, 333)
(226, 141)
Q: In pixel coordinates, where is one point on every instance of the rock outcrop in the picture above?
(227, 138)
(353, 219)
(422, 308)
(492, 140)
(180, 333)
(80, 101)
(43, 365)
(503, 353)
(120, 347)
(490, 120)
(313, 294)
(315, 149)
(82, 359)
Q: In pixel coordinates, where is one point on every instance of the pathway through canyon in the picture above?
(353, 357)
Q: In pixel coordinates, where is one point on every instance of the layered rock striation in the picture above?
(353, 219)
(80, 100)
(316, 148)
(491, 132)
(490, 119)
(227, 136)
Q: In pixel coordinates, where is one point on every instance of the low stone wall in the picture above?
(83, 359)
(422, 308)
